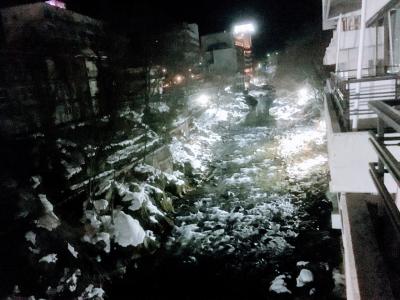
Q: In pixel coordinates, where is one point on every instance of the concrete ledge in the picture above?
(366, 274)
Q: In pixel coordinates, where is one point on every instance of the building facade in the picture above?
(228, 52)
(361, 96)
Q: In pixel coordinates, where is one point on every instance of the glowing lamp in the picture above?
(203, 100)
(303, 96)
(244, 28)
(178, 79)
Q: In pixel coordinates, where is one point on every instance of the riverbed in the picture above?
(258, 225)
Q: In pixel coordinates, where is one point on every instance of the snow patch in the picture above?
(49, 220)
(305, 276)
(50, 259)
(127, 230)
(72, 250)
(30, 236)
(279, 286)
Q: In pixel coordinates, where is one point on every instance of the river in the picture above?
(258, 227)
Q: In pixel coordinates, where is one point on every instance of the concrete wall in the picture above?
(373, 7)
(366, 274)
(349, 156)
(194, 32)
(63, 23)
(209, 40)
(224, 60)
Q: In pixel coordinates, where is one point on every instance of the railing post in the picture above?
(381, 138)
(346, 104)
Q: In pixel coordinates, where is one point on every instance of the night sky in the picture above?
(278, 21)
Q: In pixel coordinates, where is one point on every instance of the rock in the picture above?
(305, 276)
(100, 205)
(278, 285)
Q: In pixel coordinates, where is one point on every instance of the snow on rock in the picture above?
(72, 282)
(50, 259)
(100, 205)
(175, 178)
(136, 198)
(302, 263)
(305, 276)
(161, 107)
(71, 170)
(105, 237)
(72, 250)
(98, 237)
(279, 286)
(49, 220)
(127, 230)
(92, 293)
(30, 236)
(93, 235)
(36, 181)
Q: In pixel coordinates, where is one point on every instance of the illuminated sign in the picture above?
(244, 28)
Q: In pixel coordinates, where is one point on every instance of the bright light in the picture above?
(248, 70)
(178, 79)
(303, 96)
(164, 70)
(244, 28)
(203, 100)
(56, 3)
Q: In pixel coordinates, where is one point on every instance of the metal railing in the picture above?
(351, 96)
(386, 135)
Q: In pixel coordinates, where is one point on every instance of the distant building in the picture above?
(40, 23)
(220, 53)
(242, 35)
(53, 60)
(177, 48)
(228, 51)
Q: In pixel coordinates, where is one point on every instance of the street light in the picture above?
(203, 100)
(244, 28)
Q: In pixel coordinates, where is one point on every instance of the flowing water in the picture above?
(260, 218)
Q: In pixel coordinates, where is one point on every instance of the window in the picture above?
(395, 37)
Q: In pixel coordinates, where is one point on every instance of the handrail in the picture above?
(388, 114)
(350, 100)
(388, 117)
(365, 78)
(389, 205)
(385, 155)
(374, 78)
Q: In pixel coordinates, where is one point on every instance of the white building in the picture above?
(220, 53)
(363, 130)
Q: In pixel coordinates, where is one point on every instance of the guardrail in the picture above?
(388, 122)
(351, 96)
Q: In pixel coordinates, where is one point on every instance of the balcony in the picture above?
(351, 97)
(348, 120)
